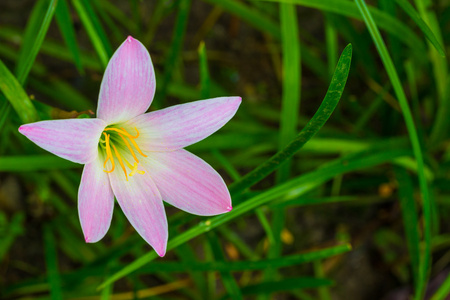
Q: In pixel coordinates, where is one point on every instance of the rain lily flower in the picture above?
(138, 157)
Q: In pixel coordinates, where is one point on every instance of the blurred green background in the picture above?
(357, 208)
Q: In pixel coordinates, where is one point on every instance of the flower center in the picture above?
(120, 137)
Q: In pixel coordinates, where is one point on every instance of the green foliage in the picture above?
(360, 174)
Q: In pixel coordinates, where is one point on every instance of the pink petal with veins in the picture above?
(128, 85)
(95, 201)
(182, 125)
(142, 205)
(189, 183)
(73, 139)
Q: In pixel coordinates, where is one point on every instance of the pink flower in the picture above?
(138, 157)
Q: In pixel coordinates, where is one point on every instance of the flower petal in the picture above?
(95, 201)
(73, 139)
(142, 205)
(182, 125)
(189, 183)
(128, 84)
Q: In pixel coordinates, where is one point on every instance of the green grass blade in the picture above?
(4, 111)
(410, 219)
(65, 24)
(51, 260)
(14, 228)
(325, 110)
(396, 84)
(286, 285)
(228, 280)
(287, 191)
(331, 44)
(441, 124)
(16, 96)
(291, 82)
(205, 81)
(92, 32)
(443, 291)
(414, 15)
(174, 51)
(34, 163)
(440, 65)
(251, 15)
(245, 265)
(382, 19)
(33, 38)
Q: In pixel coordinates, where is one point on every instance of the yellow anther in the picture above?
(135, 168)
(124, 132)
(120, 162)
(129, 147)
(134, 137)
(108, 154)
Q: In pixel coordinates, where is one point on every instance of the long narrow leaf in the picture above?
(396, 84)
(325, 110)
(32, 43)
(15, 94)
(414, 15)
(68, 32)
(287, 191)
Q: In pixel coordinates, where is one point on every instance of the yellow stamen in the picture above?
(124, 132)
(120, 162)
(135, 170)
(134, 137)
(129, 147)
(108, 154)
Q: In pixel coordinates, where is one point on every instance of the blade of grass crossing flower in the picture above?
(414, 15)
(91, 30)
(325, 110)
(396, 84)
(287, 191)
(443, 291)
(65, 24)
(51, 261)
(174, 51)
(228, 280)
(291, 82)
(16, 96)
(205, 82)
(33, 38)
